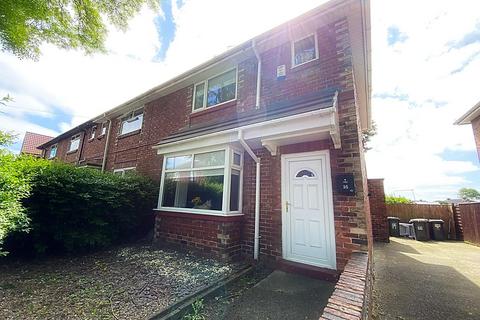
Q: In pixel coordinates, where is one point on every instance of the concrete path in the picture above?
(426, 280)
(282, 296)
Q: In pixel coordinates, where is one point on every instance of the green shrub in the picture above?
(16, 173)
(394, 200)
(76, 209)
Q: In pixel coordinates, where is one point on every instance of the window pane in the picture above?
(92, 135)
(221, 88)
(104, 128)
(209, 159)
(53, 151)
(304, 50)
(74, 143)
(180, 162)
(236, 159)
(132, 124)
(234, 190)
(199, 190)
(199, 96)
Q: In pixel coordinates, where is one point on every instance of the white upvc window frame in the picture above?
(104, 129)
(93, 132)
(293, 49)
(129, 117)
(50, 151)
(122, 171)
(73, 138)
(228, 167)
(205, 88)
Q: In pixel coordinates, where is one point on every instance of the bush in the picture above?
(16, 173)
(77, 209)
(394, 200)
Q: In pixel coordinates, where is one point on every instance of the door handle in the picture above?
(286, 206)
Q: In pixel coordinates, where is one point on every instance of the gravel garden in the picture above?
(131, 282)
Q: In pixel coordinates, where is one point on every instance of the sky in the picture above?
(425, 62)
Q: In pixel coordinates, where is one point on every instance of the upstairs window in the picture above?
(53, 152)
(104, 129)
(132, 122)
(74, 143)
(219, 89)
(92, 134)
(304, 50)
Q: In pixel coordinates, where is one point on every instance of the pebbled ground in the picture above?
(124, 283)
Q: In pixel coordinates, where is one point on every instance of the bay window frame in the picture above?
(227, 171)
(205, 91)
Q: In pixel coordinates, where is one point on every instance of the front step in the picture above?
(307, 270)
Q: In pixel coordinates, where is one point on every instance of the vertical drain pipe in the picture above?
(259, 74)
(256, 242)
(104, 160)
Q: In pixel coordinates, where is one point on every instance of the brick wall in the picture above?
(476, 133)
(351, 297)
(211, 235)
(378, 210)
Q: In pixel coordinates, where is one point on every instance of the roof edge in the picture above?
(470, 115)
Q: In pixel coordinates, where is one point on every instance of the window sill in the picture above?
(303, 64)
(91, 139)
(213, 108)
(129, 134)
(73, 151)
(168, 212)
(199, 212)
(100, 137)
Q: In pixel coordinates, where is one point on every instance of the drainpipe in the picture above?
(257, 194)
(259, 73)
(104, 160)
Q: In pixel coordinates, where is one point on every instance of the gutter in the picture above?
(256, 239)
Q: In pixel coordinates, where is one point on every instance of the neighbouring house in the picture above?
(258, 152)
(32, 141)
(472, 117)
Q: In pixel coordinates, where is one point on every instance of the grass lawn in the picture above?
(124, 283)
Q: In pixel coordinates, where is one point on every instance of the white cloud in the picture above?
(417, 98)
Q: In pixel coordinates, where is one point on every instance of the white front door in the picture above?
(307, 215)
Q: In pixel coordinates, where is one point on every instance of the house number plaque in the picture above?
(345, 184)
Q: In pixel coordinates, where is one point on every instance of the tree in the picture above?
(367, 135)
(469, 194)
(6, 138)
(68, 24)
(393, 200)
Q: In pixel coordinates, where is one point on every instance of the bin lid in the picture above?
(435, 220)
(393, 218)
(418, 220)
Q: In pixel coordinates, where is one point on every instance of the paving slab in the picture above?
(282, 295)
(426, 280)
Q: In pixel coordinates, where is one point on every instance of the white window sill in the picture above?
(200, 212)
(303, 63)
(215, 105)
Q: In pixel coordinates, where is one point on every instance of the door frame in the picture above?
(325, 154)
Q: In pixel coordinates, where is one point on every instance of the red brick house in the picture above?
(258, 151)
(472, 117)
(31, 142)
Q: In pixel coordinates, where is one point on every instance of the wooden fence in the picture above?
(428, 211)
(470, 215)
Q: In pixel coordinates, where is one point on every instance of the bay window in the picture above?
(219, 89)
(202, 182)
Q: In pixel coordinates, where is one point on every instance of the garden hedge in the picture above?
(71, 209)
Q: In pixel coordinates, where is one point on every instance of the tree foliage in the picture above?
(389, 199)
(69, 24)
(469, 194)
(367, 136)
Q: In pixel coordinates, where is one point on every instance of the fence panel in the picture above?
(470, 214)
(428, 211)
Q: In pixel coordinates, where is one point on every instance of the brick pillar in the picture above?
(378, 210)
